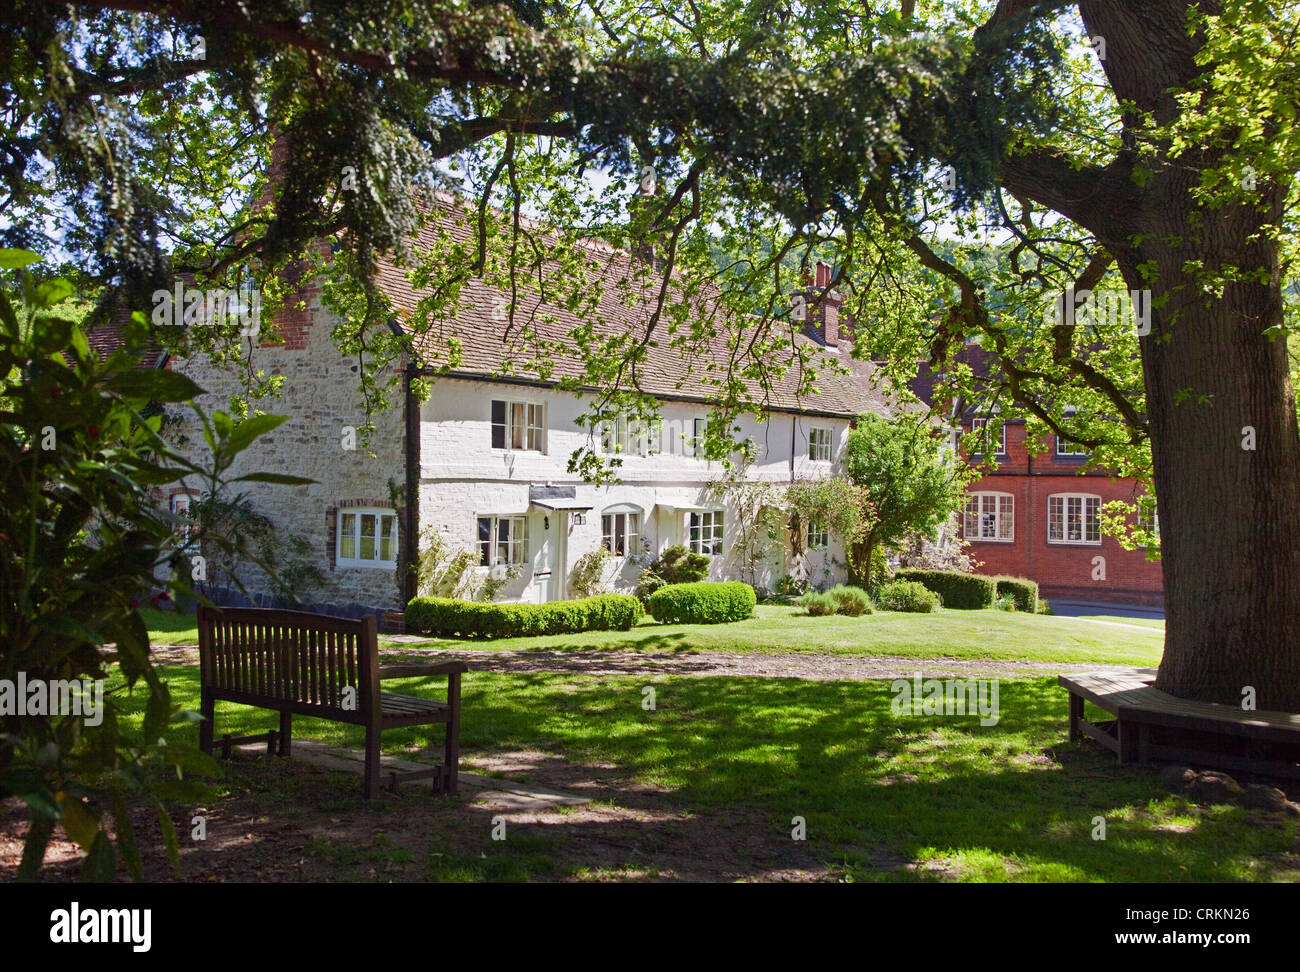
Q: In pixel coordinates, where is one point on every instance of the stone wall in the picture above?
(321, 397)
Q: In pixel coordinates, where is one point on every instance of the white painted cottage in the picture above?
(486, 456)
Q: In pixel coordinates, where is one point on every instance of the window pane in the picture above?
(367, 547)
(607, 531)
(387, 545)
(620, 537)
(485, 540)
(517, 425)
(498, 425)
(347, 536)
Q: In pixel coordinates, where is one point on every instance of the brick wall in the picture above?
(1062, 570)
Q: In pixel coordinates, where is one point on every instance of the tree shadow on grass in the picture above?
(712, 782)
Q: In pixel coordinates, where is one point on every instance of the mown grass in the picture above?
(884, 796)
(777, 630)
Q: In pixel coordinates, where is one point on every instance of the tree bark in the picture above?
(1216, 385)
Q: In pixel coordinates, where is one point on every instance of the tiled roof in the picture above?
(488, 352)
(106, 338)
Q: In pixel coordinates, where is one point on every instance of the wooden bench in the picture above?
(324, 667)
(1153, 725)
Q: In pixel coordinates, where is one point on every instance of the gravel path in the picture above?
(791, 665)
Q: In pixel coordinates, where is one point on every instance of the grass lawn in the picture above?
(1156, 623)
(944, 634)
(728, 763)
(778, 630)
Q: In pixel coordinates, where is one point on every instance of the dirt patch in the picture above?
(286, 820)
(812, 667)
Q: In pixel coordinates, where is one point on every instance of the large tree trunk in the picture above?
(1227, 468)
(1216, 382)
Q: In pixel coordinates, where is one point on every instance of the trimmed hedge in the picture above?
(963, 591)
(703, 602)
(1022, 589)
(484, 619)
(905, 595)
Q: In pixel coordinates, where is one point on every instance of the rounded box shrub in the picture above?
(962, 591)
(817, 604)
(1024, 590)
(703, 602)
(910, 596)
(849, 600)
(483, 619)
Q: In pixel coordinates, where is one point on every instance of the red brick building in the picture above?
(1039, 516)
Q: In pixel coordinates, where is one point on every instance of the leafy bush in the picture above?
(818, 604)
(588, 577)
(789, 586)
(852, 601)
(675, 565)
(1022, 589)
(1005, 603)
(483, 619)
(958, 590)
(905, 595)
(702, 602)
(1044, 607)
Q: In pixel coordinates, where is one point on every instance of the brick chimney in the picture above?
(824, 304)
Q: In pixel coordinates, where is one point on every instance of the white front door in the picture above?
(548, 563)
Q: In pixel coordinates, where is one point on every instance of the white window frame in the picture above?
(979, 423)
(1085, 501)
(626, 521)
(699, 426)
(989, 510)
(821, 443)
(356, 515)
(1151, 523)
(621, 436)
(819, 535)
(704, 531)
(1075, 452)
(182, 506)
(524, 421)
(515, 540)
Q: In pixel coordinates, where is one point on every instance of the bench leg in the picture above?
(451, 747)
(286, 732)
(372, 760)
(207, 709)
(1076, 716)
(1128, 741)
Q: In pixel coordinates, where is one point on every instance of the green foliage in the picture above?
(789, 586)
(442, 570)
(706, 602)
(81, 539)
(915, 485)
(963, 591)
(480, 619)
(849, 600)
(910, 596)
(818, 604)
(237, 536)
(1023, 590)
(1044, 607)
(588, 577)
(1005, 602)
(675, 565)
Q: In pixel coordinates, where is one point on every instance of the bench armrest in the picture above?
(422, 668)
